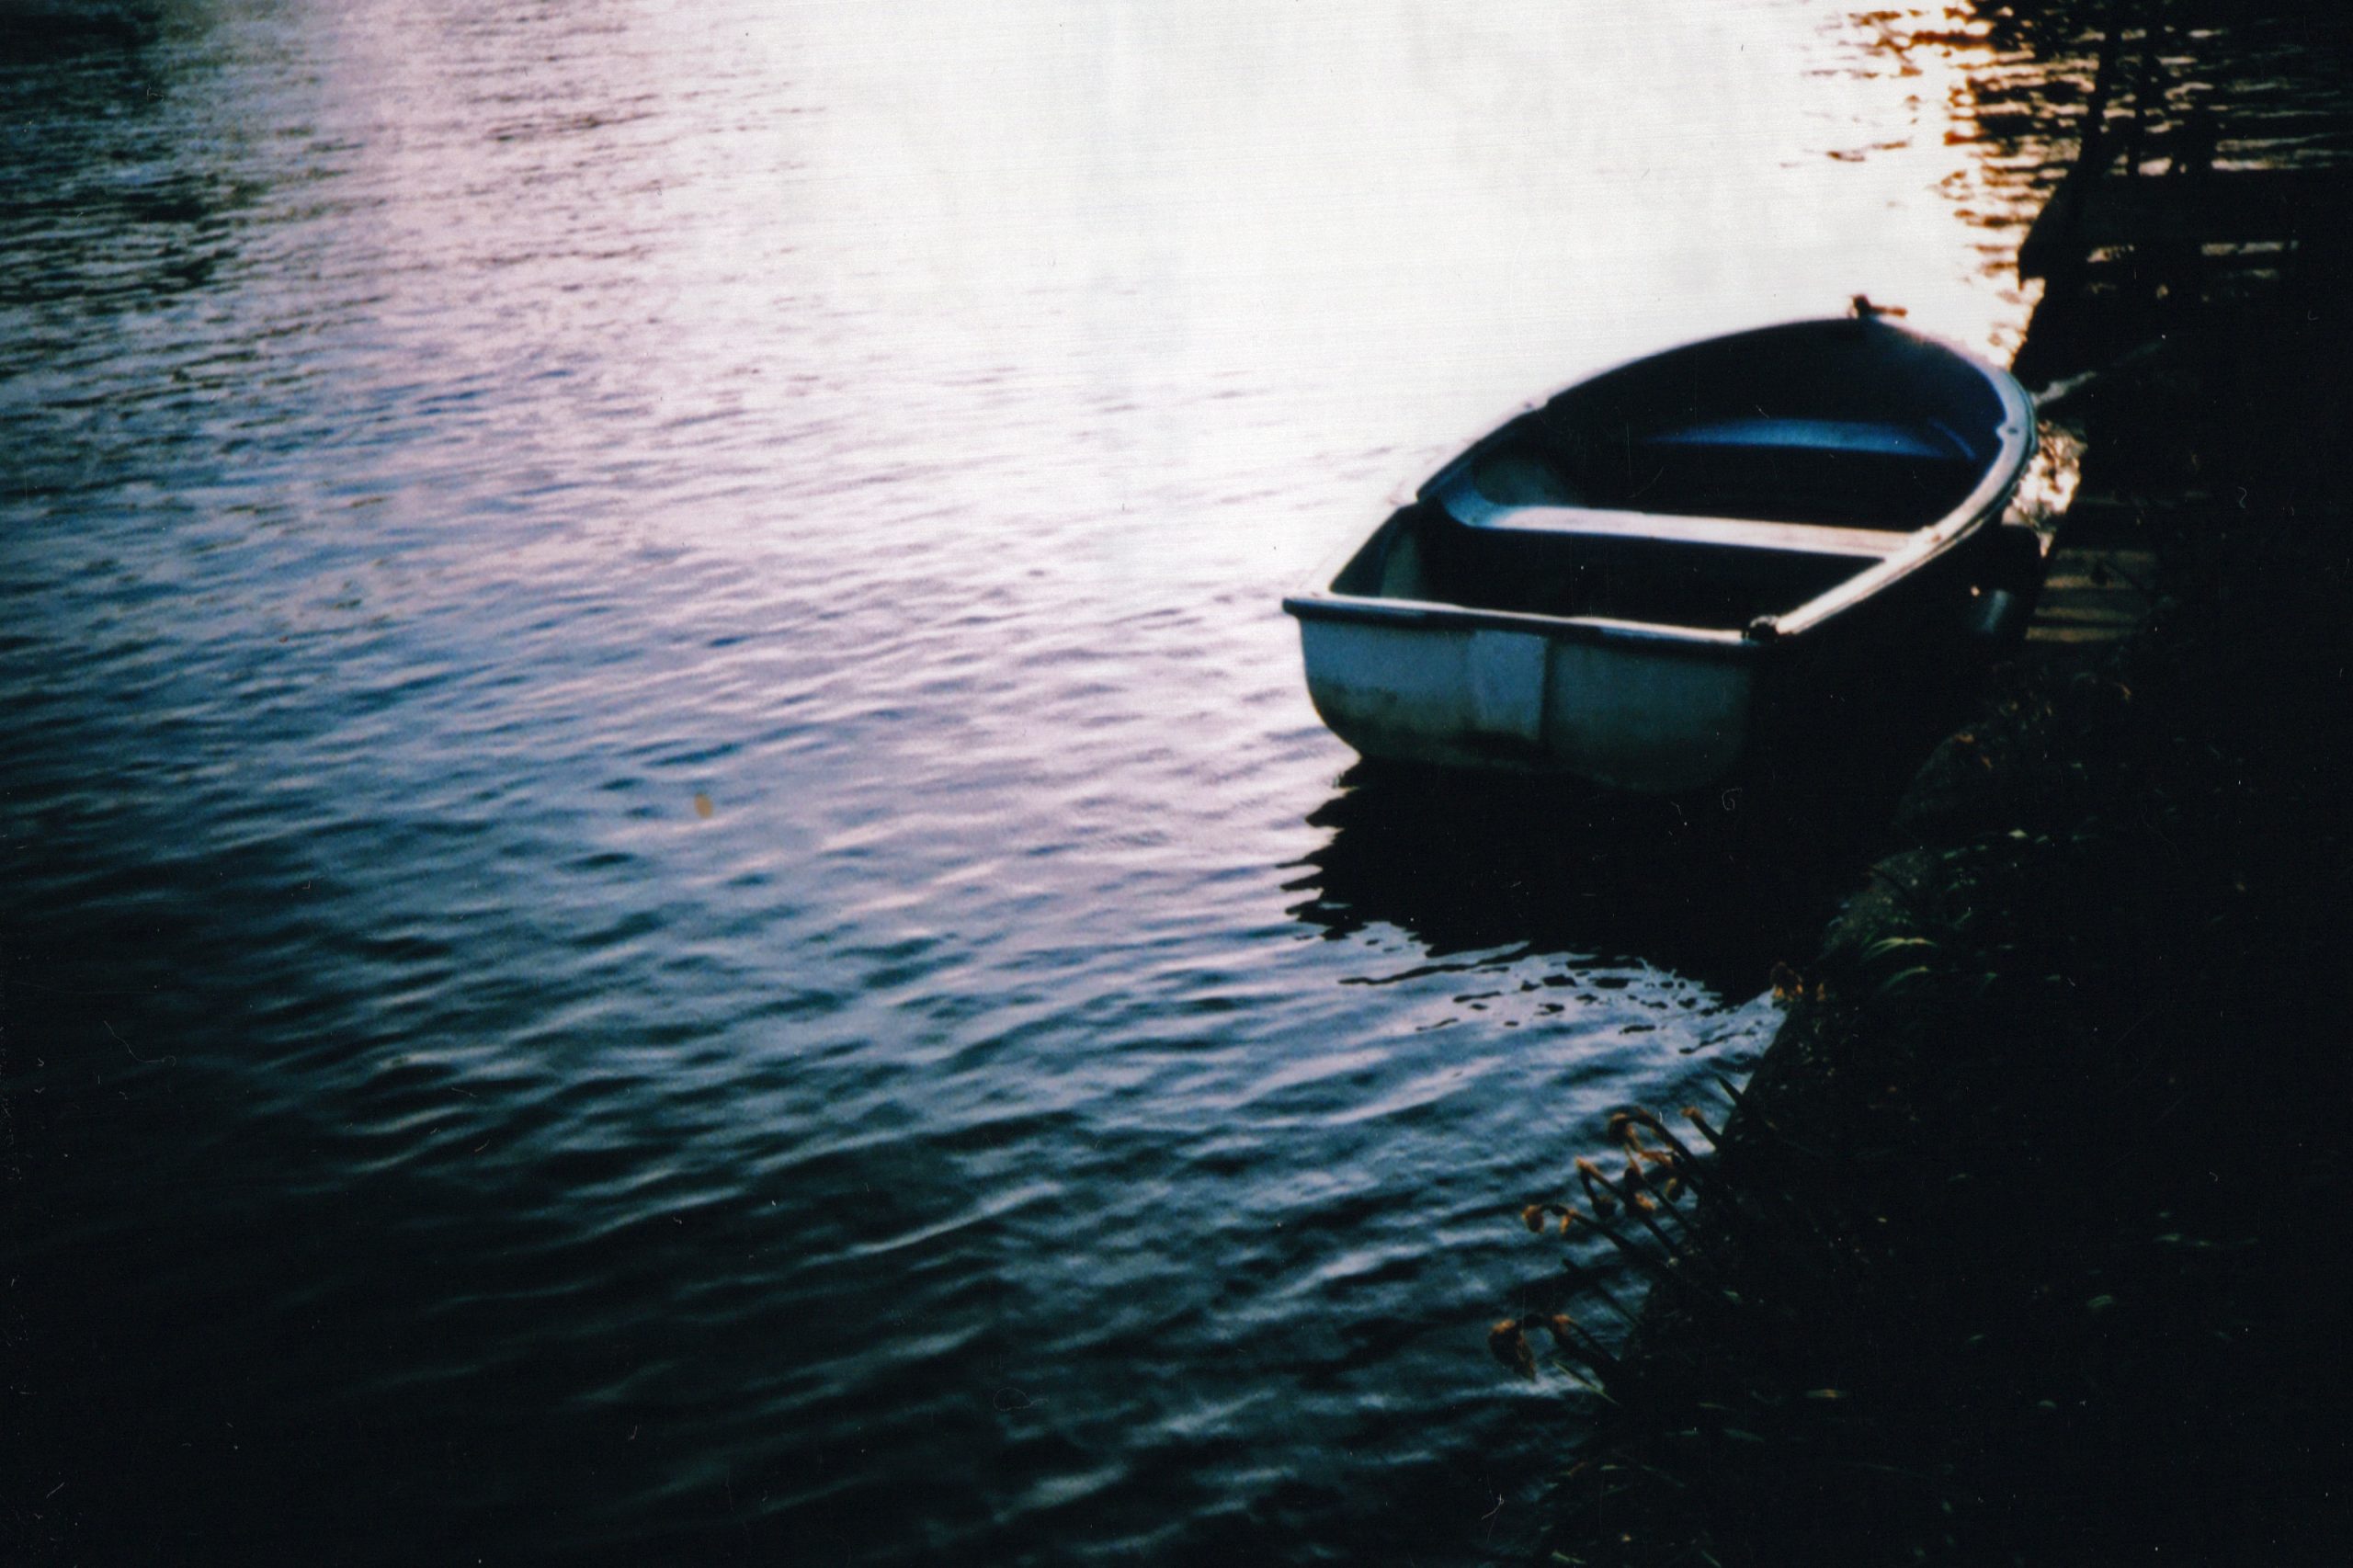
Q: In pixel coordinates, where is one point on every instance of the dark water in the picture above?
(669, 891)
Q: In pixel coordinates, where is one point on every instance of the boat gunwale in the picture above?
(1578, 628)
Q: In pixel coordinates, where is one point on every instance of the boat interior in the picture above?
(1702, 488)
(1424, 555)
(1849, 473)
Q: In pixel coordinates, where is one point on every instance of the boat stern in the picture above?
(1652, 713)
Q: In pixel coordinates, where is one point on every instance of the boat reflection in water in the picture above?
(1717, 885)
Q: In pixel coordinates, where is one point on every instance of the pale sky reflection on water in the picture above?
(1396, 220)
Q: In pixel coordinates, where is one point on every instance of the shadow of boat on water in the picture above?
(1717, 885)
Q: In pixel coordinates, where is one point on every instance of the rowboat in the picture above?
(1659, 572)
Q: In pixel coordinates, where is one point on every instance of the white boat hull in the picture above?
(1627, 714)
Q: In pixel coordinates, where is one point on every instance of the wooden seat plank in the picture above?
(1744, 533)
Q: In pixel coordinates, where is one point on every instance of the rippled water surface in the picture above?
(670, 891)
